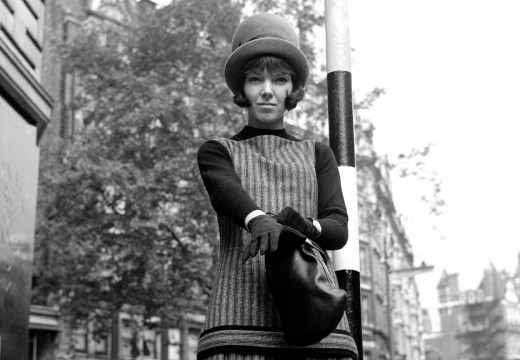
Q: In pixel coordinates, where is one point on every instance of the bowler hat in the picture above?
(264, 34)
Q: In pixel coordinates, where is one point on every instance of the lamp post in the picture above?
(341, 134)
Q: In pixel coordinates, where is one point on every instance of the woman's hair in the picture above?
(272, 64)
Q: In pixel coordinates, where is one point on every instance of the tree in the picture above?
(125, 218)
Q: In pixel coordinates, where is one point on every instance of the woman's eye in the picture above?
(281, 80)
(253, 79)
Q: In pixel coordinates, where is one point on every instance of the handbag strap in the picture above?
(325, 257)
(318, 248)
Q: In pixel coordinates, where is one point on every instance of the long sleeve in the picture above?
(332, 213)
(224, 188)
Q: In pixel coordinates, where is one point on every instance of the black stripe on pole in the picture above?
(341, 117)
(342, 141)
(349, 281)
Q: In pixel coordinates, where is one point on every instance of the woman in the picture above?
(263, 169)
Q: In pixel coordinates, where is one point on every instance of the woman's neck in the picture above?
(271, 125)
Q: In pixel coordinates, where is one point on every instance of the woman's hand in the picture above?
(265, 233)
(292, 218)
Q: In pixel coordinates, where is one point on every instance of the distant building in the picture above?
(478, 324)
(391, 311)
(64, 20)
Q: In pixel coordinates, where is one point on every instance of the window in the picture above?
(174, 344)
(138, 339)
(151, 344)
(365, 309)
(80, 336)
(126, 339)
(443, 296)
(89, 338)
(100, 346)
(193, 340)
(364, 262)
(98, 339)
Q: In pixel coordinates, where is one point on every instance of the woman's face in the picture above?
(267, 92)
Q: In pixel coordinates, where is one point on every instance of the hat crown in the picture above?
(264, 26)
(264, 35)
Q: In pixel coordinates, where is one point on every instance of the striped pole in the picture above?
(341, 134)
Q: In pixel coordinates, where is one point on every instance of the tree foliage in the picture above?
(125, 218)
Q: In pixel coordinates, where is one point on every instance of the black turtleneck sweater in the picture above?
(229, 198)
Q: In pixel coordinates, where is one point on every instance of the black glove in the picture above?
(265, 232)
(292, 218)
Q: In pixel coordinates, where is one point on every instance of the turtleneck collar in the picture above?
(249, 132)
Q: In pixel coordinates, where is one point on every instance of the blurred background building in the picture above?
(63, 20)
(483, 323)
(391, 311)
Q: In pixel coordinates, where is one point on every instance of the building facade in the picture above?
(391, 311)
(478, 324)
(25, 109)
(63, 21)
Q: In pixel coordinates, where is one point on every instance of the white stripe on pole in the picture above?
(338, 59)
(338, 35)
(347, 258)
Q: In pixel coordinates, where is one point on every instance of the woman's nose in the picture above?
(267, 91)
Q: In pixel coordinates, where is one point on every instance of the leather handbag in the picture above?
(309, 302)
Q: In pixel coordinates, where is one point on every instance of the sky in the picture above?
(451, 72)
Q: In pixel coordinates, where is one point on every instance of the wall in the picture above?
(24, 114)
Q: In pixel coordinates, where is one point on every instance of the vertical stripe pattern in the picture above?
(276, 172)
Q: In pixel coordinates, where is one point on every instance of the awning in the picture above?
(43, 318)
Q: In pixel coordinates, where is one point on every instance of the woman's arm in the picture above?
(224, 188)
(332, 213)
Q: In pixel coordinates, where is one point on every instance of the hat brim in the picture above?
(265, 46)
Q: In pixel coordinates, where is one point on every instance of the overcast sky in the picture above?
(451, 69)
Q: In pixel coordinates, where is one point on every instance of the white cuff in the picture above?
(317, 225)
(252, 215)
(317, 229)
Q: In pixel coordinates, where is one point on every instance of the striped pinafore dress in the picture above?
(242, 321)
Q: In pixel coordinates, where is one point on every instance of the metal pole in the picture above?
(341, 134)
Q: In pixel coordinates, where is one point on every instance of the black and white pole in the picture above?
(341, 134)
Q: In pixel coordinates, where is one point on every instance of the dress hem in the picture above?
(270, 343)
